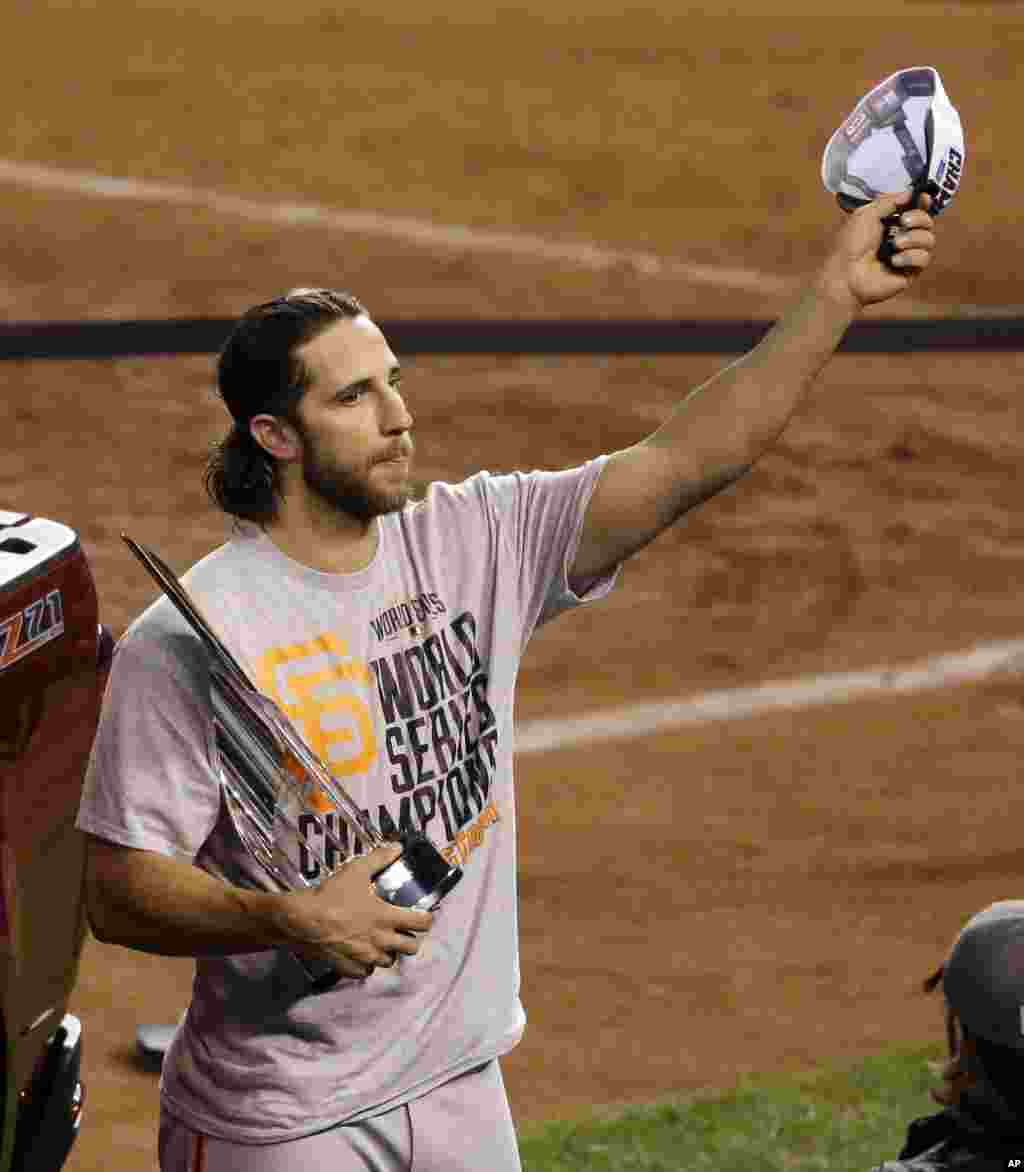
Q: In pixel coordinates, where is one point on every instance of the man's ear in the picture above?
(276, 436)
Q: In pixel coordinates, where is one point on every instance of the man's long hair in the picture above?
(259, 372)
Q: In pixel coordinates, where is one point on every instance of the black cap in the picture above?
(983, 980)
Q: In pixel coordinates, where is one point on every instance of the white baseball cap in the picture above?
(904, 133)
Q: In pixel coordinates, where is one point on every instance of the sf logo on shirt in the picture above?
(325, 691)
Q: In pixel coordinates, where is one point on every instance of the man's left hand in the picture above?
(854, 273)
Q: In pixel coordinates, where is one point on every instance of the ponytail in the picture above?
(241, 478)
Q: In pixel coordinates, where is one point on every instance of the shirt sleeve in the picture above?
(540, 518)
(150, 782)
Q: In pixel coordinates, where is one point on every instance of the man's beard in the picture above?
(347, 490)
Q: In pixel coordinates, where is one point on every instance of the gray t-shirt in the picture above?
(401, 678)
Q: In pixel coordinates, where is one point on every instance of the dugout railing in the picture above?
(99, 339)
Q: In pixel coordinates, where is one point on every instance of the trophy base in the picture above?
(419, 878)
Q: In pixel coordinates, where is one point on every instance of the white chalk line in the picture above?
(638, 720)
(404, 228)
(408, 229)
(456, 236)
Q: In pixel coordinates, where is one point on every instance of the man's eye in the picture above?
(353, 395)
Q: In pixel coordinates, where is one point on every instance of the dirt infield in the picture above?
(769, 889)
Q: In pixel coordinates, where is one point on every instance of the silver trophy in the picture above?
(270, 779)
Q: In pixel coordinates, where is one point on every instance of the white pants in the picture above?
(463, 1126)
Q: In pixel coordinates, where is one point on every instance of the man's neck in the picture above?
(344, 547)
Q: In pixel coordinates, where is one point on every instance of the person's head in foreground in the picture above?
(983, 985)
(982, 1090)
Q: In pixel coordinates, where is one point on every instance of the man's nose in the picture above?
(395, 415)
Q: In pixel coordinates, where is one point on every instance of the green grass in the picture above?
(843, 1120)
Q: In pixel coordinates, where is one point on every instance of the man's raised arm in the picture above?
(723, 427)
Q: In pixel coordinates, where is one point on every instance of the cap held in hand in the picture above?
(904, 133)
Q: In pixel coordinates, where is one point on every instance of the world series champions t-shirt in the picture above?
(401, 678)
